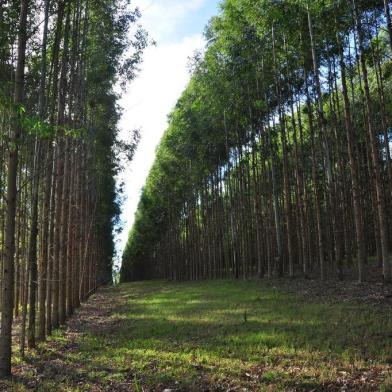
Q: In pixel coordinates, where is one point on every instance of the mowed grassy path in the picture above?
(222, 335)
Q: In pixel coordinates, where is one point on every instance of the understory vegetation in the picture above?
(219, 336)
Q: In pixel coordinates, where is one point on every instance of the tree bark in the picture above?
(8, 266)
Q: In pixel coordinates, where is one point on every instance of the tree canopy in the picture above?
(277, 157)
(60, 63)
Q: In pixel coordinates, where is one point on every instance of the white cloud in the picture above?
(149, 100)
(154, 93)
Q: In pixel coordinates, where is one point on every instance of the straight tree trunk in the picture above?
(8, 266)
(361, 253)
(32, 251)
(374, 151)
(44, 253)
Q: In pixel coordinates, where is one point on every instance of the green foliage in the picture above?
(114, 55)
(232, 108)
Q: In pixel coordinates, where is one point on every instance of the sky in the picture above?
(177, 27)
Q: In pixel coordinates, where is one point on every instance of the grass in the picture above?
(218, 335)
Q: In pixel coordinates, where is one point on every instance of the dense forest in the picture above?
(59, 154)
(260, 258)
(277, 158)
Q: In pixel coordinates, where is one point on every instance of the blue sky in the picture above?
(170, 21)
(194, 21)
(177, 26)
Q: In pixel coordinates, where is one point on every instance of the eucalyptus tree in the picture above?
(59, 130)
(11, 195)
(250, 178)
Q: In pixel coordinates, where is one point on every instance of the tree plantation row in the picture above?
(277, 157)
(59, 61)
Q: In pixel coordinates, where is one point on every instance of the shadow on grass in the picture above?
(290, 323)
(211, 335)
(185, 331)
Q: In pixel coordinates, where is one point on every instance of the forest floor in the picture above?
(219, 336)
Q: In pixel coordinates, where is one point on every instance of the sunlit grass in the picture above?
(226, 333)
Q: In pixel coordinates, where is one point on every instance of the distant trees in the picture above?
(58, 159)
(277, 157)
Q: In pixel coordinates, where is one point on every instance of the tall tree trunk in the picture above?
(44, 254)
(374, 150)
(32, 252)
(361, 253)
(8, 267)
(322, 128)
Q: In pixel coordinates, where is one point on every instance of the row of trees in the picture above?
(59, 155)
(277, 157)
